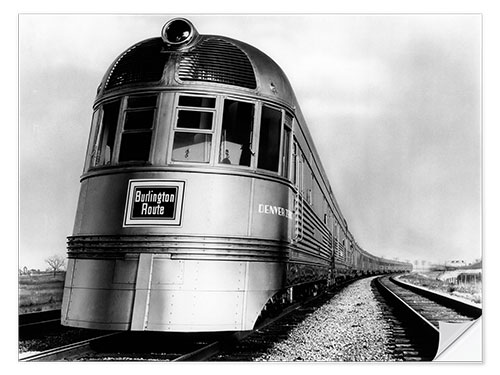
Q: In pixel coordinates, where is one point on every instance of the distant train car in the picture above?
(203, 200)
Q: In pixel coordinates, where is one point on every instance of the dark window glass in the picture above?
(106, 135)
(141, 102)
(270, 136)
(137, 128)
(195, 120)
(196, 101)
(286, 151)
(135, 146)
(192, 147)
(139, 119)
(237, 132)
(294, 163)
(92, 145)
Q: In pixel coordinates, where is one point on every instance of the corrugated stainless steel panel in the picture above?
(217, 60)
(179, 247)
(141, 63)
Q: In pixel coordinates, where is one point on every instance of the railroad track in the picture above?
(67, 352)
(39, 320)
(419, 311)
(144, 346)
(263, 337)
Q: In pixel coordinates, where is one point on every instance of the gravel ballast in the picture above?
(350, 327)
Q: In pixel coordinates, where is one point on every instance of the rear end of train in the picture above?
(185, 210)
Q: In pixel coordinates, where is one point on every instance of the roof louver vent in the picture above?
(143, 62)
(216, 60)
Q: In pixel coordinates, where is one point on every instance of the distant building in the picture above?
(454, 263)
(421, 265)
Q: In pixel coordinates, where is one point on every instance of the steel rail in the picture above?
(200, 354)
(62, 352)
(424, 325)
(463, 307)
(42, 317)
(427, 327)
(212, 349)
(215, 348)
(208, 351)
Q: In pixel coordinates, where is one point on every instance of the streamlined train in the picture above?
(203, 200)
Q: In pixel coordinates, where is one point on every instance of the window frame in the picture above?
(120, 131)
(95, 137)
(258, 131)
(93, 134)
(287, 125)
(174, 128)
(298, 164)
(255, 134)
(286, 157)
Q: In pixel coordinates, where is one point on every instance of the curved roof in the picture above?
(211, 60)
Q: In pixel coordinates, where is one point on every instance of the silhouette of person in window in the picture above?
(246, 154)
(226, 159)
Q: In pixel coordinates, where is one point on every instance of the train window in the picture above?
(137, 128)
(270, 137)
(299, 169)
(317, 198)
(196, 101)
(135, 146)
(237, 133)
(138, 120)
(192, 141)
(287, 135)
(307, 181)
(141, 101)
(192, 147)
(103, 149)
(195, 119)
(309, 196)
(92, 146)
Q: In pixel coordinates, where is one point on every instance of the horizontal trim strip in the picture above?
(178, 247)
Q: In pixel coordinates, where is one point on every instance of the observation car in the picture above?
(202, 200)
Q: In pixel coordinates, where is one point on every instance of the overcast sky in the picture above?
(392, 102)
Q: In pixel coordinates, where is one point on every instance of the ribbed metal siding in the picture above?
(216, 60)
(142, 63)
(181, 247)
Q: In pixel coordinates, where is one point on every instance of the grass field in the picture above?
(469, 291)
(40, 292)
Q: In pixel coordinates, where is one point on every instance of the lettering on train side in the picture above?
(269, 209)
(154, 202)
